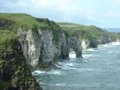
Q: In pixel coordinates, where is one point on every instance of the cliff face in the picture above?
(40, 47)
(88, 36)
(89, 43)
(93, 43)
(14, 71)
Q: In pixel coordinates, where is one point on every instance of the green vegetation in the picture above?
(5, 84)
(72, 28)
(56, 29)
(19, 20)
(22, 20)
(6, 38)
(14, 71)
(88, 32)
(10, 23)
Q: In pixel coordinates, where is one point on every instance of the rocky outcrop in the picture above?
(75, 44)
(104, 39)
(93, 43)
(14, 71)
(41, 48)
(31, 42)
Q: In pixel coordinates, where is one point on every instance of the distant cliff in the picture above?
(27, 43)
(89, 36)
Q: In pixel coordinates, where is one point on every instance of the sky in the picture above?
(102, 13)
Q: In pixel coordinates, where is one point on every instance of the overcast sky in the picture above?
(102, 13)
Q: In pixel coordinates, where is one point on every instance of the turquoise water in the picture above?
(98, 70)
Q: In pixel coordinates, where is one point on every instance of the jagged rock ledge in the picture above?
(40, 47)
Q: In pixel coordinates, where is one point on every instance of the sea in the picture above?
(99, 69)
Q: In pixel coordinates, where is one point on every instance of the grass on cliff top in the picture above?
(16, 20)
(11, 22)
(87, 31)
(71, 28)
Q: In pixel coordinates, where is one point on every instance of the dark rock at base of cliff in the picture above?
(14, 72)
(93, 43)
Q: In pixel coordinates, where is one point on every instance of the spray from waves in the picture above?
(66, 65)
(52, 72)
(90, 49)
(72, 54)
(85, 56)
(60, 84)
(115, 43)
(110, 44)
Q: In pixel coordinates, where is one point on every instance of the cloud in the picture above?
(97, 12)
(63, 6)
(112, 14)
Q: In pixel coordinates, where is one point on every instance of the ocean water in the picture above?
(99, 69)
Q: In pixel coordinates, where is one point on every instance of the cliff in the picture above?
(40, 47)
(27, 43)
(15, 74)
(89, 36)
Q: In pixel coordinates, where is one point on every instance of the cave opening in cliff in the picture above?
(72, 53)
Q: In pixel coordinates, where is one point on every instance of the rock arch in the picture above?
(75, 44)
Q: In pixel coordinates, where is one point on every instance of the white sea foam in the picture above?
(70, 64)
(115, 43)
(66, 65)
(86, 69)
(87, 55)
(38, 72)
(54, 72)
(67, 68)
(90, 49)
(60, 84)
(83, 85)
(109, 44)
(72, 55)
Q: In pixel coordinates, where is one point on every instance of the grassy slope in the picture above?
(19, 20)
(10, 23)
(88, 31)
